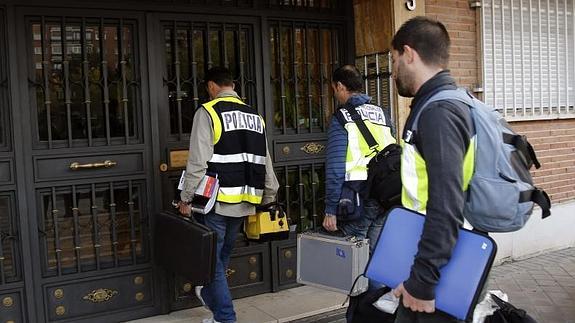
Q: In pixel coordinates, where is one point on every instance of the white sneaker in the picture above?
(199, 296)
(210, 320)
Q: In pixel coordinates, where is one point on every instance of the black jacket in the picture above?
(442, 138)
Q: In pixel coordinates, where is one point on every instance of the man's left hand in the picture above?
(414, 304)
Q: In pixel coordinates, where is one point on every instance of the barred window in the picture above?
(529, 58)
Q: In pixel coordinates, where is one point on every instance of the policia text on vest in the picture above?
(237, 120)
(239, 150)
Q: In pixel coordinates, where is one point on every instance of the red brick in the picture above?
(553, 140)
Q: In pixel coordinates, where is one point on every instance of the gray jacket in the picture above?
(201, 151)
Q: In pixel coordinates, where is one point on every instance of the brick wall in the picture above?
(554, 143)
(460, 22)
(553, 140)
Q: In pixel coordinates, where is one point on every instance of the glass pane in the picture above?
(8, 241)
(302, 191)
(86, 87)
(302, 61)
(97, 228)
(214, 58)
(191, 53)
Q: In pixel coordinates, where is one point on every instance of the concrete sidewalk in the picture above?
(544, 286)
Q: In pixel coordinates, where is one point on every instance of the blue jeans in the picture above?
(369, 225)
(216, 294)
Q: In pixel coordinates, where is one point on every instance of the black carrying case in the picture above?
(185, 247)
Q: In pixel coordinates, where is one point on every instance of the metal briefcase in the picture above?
(332, 263)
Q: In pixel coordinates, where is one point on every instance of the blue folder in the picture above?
(462, 279)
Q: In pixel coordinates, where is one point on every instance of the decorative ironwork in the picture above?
(302, 194)
(100, 295)
(313, 148)
(322, 6)
(288, 254)
(60, 310)
(253, 260)
(139, 296)
(289, 273)
(7, 301)
(139, 280)
(303, 55)
(187, 287)
(9, 261)
(90, 230)
(86, 81)
(59, 293)
(230, 272)
(191, 48)
(253, 275)
(376, 72)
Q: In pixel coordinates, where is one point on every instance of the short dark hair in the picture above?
(349, 76)
(428, 37)
(219, 75)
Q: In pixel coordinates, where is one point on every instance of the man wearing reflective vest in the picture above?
(437, 160)
(348, 155)
(228, 138)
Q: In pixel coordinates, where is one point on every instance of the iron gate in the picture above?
(96, 103)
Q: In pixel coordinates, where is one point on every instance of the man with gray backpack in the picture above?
(459, 161)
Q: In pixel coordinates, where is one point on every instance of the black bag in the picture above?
(384, 177)
(383, 170)
(361, 309)
(508, 313)
(185, 247)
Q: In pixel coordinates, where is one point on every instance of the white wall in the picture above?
(539, 235)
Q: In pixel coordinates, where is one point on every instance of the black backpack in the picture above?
(383, 170)
(361, 309)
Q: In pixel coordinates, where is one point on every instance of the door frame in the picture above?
(160, 106)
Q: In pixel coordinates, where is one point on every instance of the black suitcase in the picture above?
(185, 247)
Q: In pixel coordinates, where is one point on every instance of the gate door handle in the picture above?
(104, 164)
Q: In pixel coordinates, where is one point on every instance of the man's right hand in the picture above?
(412, 303)
(185, 209)
(330, 222)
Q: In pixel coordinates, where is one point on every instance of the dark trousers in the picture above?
(405, 315)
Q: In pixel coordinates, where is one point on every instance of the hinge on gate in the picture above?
(474, 4)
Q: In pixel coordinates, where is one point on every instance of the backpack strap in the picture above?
(356, 118)
(538, 197)
(460, 95)
(521, 144)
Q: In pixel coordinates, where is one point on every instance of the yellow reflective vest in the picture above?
(239, 156)
(358, 151)
(414, 177)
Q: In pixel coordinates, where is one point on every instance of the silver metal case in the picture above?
(332, 263)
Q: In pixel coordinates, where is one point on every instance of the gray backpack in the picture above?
(501, 195)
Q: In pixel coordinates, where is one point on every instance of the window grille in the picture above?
(529, 58)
